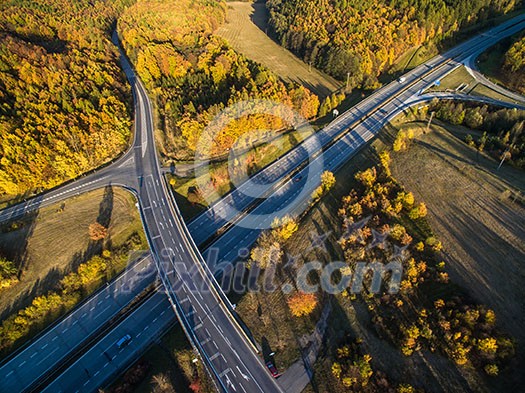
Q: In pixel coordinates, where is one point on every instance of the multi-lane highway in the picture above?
(367, 119)
(363, 120)
(199, 305)
(203, 311)
(51, 348)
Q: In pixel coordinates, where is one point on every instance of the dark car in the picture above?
(297, 179)
(273, 369)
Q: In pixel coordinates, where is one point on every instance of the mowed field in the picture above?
(244, 30)
(55, 240)
(478, 214)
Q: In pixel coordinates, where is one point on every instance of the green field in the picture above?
(461, 81)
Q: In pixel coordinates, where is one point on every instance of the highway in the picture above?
(49, 349)
(343, 143)
(104, 360)
(192, 294)
(386, 101)
(202, 310)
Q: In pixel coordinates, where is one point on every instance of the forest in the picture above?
(192, 74)
(64, 102)
(364, 38)
(514, 65)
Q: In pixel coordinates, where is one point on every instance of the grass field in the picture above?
(461, 81)
(245, 31)
(412, 58)
(457, 78)
(471, 211)
(55, 240)
(471, 208)
(491, 64)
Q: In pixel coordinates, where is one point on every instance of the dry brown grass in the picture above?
(56, 239)
(244, 21)
(482, 231)
(471, 209)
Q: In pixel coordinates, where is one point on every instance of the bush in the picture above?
(97, 231)
(302, 304)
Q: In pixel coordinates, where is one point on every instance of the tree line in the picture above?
(64, 103)
(192, 74)
(503, 130)
(514, 65)
(361, 39)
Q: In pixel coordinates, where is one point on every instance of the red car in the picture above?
(273, 369)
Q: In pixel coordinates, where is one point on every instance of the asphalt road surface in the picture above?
(347, 143)
(49, 349)
(203, 312)
(381, 105)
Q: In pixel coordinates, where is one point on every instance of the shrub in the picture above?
(302, 304)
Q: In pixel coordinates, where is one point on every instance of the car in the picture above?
(273, 369)
(402, 79)
(123, 341)
(297, 179)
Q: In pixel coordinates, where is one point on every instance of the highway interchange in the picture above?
(206, 315)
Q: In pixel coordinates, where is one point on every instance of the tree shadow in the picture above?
(260, 17)
(17, 231)
(266, 350)
(95, 247)
(39, 288)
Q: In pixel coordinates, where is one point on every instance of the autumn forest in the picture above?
(66, 106)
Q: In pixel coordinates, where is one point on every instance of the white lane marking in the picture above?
(197, 327)
(22, 364)
(242, 374)
(9, 374)
(50, 354)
